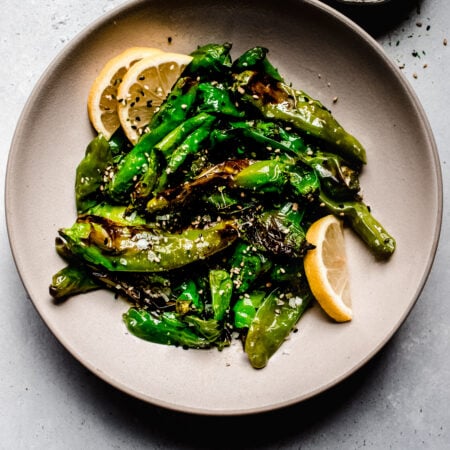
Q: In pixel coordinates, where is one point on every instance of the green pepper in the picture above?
(262, 176)
(151, 290)
(185, 137)
(189, 296)
(90, 173)
(277, 231)
(141, 248)
(247, 265)
(209, 62)
(118, 214)
(141, 158)
(119, 143)
(221, 287)
(211, 329)
(181, 195)
(273, 176)
(276, 100)
(256, 59)
(166, 329)
(178, 104)
(361, 220)
(273, 322)
(178, 134)
(215, 98)
(245, 308)
(72, 280)
(192, 144)
(337, 179)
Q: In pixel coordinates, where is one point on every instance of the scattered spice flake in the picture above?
(335, 99)
(169, 40)
(415, 75)
(445, 41)
(419, 24)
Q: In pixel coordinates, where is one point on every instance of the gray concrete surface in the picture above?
(399, 400)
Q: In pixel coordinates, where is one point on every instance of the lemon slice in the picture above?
(102, 98)
(144, 87)
(326, 268)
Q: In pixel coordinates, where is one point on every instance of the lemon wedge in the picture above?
(326, 268)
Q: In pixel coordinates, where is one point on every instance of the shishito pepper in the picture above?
(221, 287)
(273, 176)
(140, 248)
(256, 59)
(358, 214)
(72, 280)
(247, 265)
(245, 308)
(277, 101)
(189, 297)
(273, 321)
(165, 329)
(140, 159)
(172, 329)
(210, 62)
(89, 173)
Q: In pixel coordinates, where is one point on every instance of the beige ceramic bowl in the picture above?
(319, 51)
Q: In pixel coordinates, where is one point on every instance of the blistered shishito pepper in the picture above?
(215, 98)
(273, 322)
(211, 329)
(140, 248)
(337, 178)
(178, 134)
(166, 329)
(181, 195)
(189, 297)
(245, 308)
(89, 174)
(72, 280)
(160, 155)
(139, 160)
(116, 213)
(247, 265)
(191, 144)
(210, 62)
(169, 328)
(221, 287)
(277, 101)
(361, 220)
(278, 231)
(274, 176)
(256, 59)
